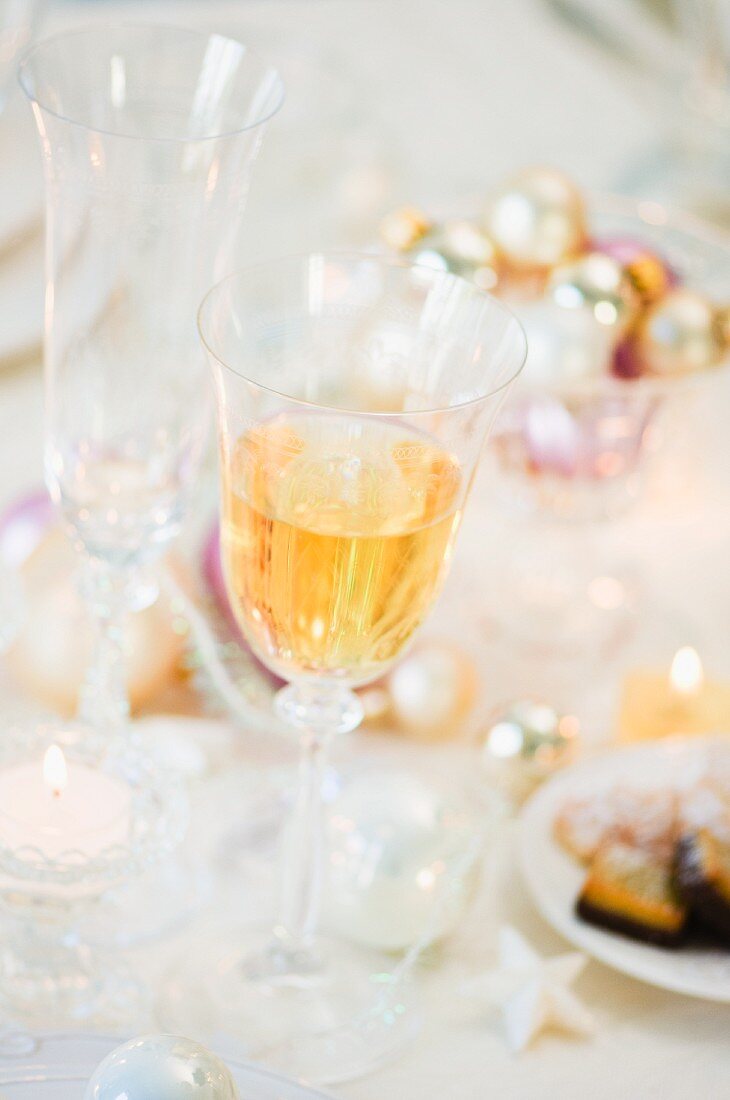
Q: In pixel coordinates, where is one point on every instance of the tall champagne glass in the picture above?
(354, 396)
(148, 136)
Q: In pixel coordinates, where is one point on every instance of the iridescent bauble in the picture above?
(649, 274)
(162, 1067)
(680, 334)
(565, 347)
(433, 689)
(403, 228)
(526, 744)
(463, 248)
(396, 860)
(596, 282)
(537, 219)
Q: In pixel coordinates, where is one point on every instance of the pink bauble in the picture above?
(23, 525)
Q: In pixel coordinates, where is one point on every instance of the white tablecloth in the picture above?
(469, 89)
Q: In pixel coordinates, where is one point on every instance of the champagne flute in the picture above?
(149, 135)
(354, 396)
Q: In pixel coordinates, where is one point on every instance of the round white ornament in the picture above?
(162, 1067)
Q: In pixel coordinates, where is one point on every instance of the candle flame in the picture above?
(686, 674)
(55, 771)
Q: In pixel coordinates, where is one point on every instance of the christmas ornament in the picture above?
(397, 870)
(680, 334)
(537, 219)
(23, 525)
(432, 689)
(211, 565)
(723, 325)
(526, 744)
(163, 1067)
(50, 654)
(565, 347)
(598, 283)
(533, 993)
(551, 436)
(402, 229)
(650, 275)
(462, 248)
(626, 362)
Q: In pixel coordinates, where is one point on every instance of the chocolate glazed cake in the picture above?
(702, 876)
(631, 891)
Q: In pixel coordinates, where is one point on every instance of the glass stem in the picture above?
(104, 699)
(318, 712)
(304, 850)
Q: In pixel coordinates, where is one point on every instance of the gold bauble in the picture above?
(51, 654)
(403, 228)
(680, 334)
(649, 276)
(723, 327)
(537, 219)
(596, 282)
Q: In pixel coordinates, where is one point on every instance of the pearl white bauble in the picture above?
(537, 219)
(396, 844)
(432, 689)
(565, 347)
(51, 653)
(162, 1067)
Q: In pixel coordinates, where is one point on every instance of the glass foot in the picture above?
(327, 1015)
(48, 991)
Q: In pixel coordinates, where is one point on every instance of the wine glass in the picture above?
(148, 136)
(354, 396)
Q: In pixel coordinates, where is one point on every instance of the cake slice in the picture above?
(639, 818)
(631, 891)
(702, 875)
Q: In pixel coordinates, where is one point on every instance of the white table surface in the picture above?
(469, 89)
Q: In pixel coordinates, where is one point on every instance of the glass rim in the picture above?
(381, 260)
(109, 28)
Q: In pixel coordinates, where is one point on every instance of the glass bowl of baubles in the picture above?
(626, 307)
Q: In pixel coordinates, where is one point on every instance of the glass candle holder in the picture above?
(72, 826)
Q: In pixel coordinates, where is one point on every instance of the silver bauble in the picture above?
(598, 283)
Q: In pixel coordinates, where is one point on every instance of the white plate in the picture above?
(554, 878)
(59, 1066)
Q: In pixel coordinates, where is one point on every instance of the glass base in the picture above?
(327, 1015)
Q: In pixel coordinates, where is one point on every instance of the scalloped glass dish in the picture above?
(57, 1067)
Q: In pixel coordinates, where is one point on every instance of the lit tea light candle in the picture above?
(656, 704)
(55, 806)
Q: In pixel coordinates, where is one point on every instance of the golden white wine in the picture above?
(336, 532)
